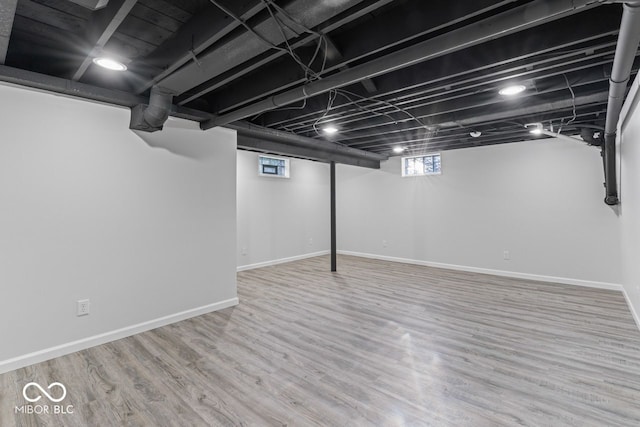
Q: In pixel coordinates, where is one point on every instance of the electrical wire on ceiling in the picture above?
(271, 45)
(573, 100)
(342, 92)
(332, 98)
(310, 74)
(390, 104)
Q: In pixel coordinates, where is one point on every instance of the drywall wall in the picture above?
(629, 162)
(542, 201)
(141, 224)
(281, 219)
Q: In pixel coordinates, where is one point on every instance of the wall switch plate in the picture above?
(506, 255)
(83, 307)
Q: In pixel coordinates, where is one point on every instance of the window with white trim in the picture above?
(273, 166)
(429, 164)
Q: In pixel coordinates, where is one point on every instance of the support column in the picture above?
(333, 217)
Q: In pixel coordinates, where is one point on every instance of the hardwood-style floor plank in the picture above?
(376, 344)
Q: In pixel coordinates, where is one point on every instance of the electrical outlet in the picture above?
(243, 251)
(506, 255)
(83, 307)
(384, 243)
(310, 241)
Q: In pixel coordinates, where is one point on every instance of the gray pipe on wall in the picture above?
(628, 40)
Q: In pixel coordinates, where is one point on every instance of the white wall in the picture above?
(142, 224)
(280, 218)
(629, 151)
(542, 201)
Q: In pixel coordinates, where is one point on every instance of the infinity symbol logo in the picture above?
(43, 391)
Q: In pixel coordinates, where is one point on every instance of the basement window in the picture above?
(273, 166)
(429, 164)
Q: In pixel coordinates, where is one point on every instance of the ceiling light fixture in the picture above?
(534, 128)
(398, 149)
(109, 64)
(475, 134)
(512, 90)
(330, 130)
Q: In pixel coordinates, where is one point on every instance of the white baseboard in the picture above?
(516, 275)
(632, 308)
(72, 347)
(280, 261)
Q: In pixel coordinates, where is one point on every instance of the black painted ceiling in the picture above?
(218, 56)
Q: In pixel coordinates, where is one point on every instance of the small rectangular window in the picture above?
(429, 164)
(273, 166)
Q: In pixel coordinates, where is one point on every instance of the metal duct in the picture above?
(628, 40)
(517, 19)
(152, 117)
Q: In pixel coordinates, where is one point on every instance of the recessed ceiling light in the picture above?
(398, 149)
(109, 64)
(330, 130)
(534, 128)
(512, 90)
(475, 134)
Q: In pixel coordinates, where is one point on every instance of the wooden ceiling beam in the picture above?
(7, 12)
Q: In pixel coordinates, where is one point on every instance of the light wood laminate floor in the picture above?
(376, 344)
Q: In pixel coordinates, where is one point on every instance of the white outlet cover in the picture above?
(83, 306)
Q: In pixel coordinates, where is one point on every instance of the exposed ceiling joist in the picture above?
(228, 77)
(357, 43)
(514, 20)
(464, 56)
(428, 110)
(7, 13)
(200, 32)
(333, 53)
(482, 114)
(246, 46)
(91, 4)
(490, 63)
(103, 24)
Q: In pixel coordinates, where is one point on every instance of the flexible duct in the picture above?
(152, 117)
